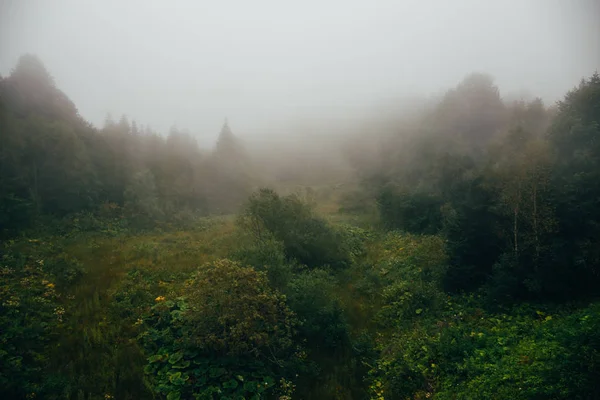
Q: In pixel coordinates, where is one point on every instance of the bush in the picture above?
(466, 353)
(311, 296)
(267, 255)
(31, 319)
(230, 336)
(305, 236)
(66, 269)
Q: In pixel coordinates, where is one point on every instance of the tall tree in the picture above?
(575, 138)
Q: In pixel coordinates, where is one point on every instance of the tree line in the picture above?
(54, 163)
(512, 186)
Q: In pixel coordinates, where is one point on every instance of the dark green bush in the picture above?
(231, 336)
(66, 269)
(267, 255)
(31, 319)
(306, 237)
(311, 296)
(465, 353)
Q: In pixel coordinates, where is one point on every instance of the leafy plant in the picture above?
(305, 236)
(230, 336)
(31, 319)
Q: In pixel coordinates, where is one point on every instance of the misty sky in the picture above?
(193, 62)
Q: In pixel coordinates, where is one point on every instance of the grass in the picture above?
(101, 356)
(98, 352)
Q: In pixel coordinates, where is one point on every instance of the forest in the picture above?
(451, 252)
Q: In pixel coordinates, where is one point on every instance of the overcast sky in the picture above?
(193, 62)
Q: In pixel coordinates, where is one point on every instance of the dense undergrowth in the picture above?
(101, 311)
(461, 262)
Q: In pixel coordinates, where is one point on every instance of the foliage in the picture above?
(357, 202)
(478, 287)
(229, 337)
(473, 241)
(574, 137)
(310, 295)
(54, 163)
(306, 237)
(395, 256)
(464, 352)
(267, 255)
(141, 199)
(516, 202)
(432, 345)
(412, 212)
(31, 320)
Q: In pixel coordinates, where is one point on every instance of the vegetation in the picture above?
(305, 237)
(229, 336)
(137, 267)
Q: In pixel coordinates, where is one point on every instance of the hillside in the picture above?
(455, 256)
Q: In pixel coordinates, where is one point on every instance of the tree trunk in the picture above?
(35, 193)
(535, 227)
(516, 232)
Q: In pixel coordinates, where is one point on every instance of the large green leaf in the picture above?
(230, 384)
(174, 396)
(155, 358)
(175, 376)
(175, 357)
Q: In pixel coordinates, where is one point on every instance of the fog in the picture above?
(268, 64)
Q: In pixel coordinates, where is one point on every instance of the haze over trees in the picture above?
(439, 246)
(55, 163)
(475, 207)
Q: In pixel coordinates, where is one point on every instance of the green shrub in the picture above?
(311, 296)
(267, 255)
(230, 336)
(133, 295)
(465, 353)
(31, 319)
(306, 237)
(66, 269)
